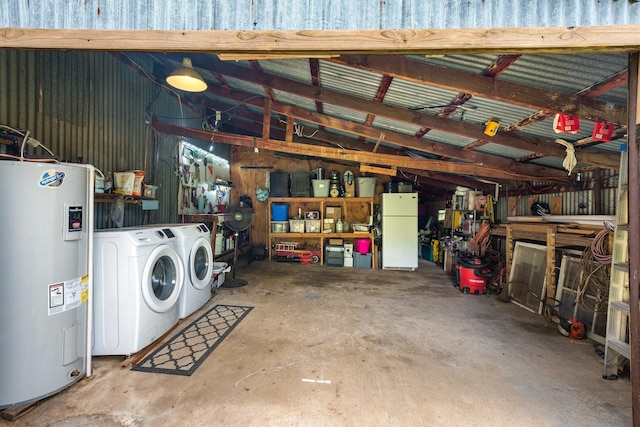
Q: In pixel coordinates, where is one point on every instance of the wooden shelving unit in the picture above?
(354, 209)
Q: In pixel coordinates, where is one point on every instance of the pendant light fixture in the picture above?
(186, 78)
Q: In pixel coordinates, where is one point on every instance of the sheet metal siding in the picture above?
(313, 14)
(573, 203)
(87, 107)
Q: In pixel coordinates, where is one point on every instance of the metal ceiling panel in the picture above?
(403, 128)
(294, 69)
(344, 113)
(448, 138)
(612, 146)
(245, 86)
(566, 73)
(478, 110)
(502, 151)
(470, 63)
(293, 99)
(349, 80)
(406, 94)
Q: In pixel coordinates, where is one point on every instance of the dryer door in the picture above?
(200, 263)
(162, 279)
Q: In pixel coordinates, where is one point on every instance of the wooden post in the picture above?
(550, 274)
(508, 253)
(266, 121)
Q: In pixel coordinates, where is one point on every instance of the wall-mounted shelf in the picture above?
(111, 198)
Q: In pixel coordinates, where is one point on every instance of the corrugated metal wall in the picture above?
(250, 15)
(88, 107)
(580, 202)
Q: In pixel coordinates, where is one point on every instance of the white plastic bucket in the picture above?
(219, 238)
(320, 187)
(365, 187)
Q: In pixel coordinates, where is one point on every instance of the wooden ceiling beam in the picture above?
(488, 87)
(487, 172)
(522, 142)
(524, 170)
(453, 180)
(324, 43)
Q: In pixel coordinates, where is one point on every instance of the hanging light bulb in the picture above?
(186, 78)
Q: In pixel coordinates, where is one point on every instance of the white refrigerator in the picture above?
(400, 231)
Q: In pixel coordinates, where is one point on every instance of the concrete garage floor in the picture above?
(384, 348)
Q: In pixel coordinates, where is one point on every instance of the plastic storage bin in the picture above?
(280, 212)
(321, 187)
(405, 187)
(300, 184)
(279, 226)
(296, 225)
(361, 260)
(313, 225)
(279, 182)
(365, 187)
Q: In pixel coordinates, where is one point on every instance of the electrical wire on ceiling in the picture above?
(407, 176)
(154, 81)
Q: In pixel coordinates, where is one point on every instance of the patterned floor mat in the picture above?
(183, 353)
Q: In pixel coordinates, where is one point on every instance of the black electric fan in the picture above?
(238, 218)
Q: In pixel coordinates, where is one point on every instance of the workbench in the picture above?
(552, 235)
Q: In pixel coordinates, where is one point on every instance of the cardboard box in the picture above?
(333, 212)
(336, 241)
(328, 225)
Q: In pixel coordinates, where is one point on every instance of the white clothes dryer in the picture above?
(138, 276)
(194, 247)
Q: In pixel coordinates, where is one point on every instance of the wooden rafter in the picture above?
(493, 70)
(487, 87)
(314, 69)
(522, 142)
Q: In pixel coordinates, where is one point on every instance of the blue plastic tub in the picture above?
(280, 212)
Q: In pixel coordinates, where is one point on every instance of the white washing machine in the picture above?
(138, 276)
(194, 247)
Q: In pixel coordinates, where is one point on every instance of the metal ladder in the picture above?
(617, 350)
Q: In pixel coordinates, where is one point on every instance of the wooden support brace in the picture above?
(509, 252)
(392, 171)
(266, 121)
(289, 131)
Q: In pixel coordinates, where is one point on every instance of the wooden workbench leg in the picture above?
(550, 274)
(508, 255)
